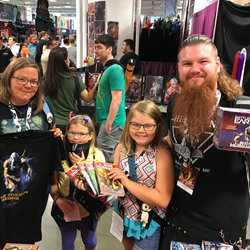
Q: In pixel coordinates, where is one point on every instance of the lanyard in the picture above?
(15, 118)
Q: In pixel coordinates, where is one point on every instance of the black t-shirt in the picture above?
(39, 50)
(27, 160)
(124, 61)
(5, 56)
(220, 198)
(38, 121)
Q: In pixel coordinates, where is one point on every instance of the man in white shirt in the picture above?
(13, 46)
(52, 43)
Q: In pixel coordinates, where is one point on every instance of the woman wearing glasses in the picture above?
(21, 109)
(59, 87)
(21, 95)
(146, 171)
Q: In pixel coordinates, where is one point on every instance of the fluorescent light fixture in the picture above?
(67, 2)
(5, 0)
(53, 1)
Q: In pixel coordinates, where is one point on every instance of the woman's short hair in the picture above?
(37, 100)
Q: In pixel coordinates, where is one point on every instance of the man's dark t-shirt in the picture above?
(39, 50)
(124, 60)
(220, 198)
(5, 56)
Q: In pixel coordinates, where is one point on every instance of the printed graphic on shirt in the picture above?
(185, 148)
(100, 94)
(17, 174)
(7, 125)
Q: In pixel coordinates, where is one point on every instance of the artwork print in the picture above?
(99, 28)
(91, 30)
(91, 48)
(171, 88)
(16, 172)
(134, 91)
(113, 30)
(153, 88)
(100, 11)
(91, 12)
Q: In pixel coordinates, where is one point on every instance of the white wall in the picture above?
(120, 11)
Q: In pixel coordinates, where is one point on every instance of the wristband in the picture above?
(57, 199)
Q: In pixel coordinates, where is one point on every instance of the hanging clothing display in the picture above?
(27, 160)
(232, 35)
(203, 21)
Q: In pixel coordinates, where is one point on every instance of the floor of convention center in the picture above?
(106, 241)
(52, 236)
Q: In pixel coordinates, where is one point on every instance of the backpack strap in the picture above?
(48, 114)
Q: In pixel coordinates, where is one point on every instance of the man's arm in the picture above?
(113, 109)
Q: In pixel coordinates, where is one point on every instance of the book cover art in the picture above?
(91, 170)
(107, 186)
(176, 245)
(211, 245)
(17, 246)
(153, 88)
(90, 185)
(171, 88)
(74, 173)
(232, 129)
(134, 91)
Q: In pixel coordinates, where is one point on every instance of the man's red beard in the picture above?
(196, 106)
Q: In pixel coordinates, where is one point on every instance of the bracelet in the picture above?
(57, 199)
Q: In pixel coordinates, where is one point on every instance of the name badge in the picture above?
(187, 178)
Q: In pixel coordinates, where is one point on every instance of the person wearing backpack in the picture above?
(110, 99)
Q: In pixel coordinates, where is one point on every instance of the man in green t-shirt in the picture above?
(110, 99)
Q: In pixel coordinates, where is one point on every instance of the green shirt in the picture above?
(112, 79)
(65, 102)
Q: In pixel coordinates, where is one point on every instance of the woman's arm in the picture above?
(88, 96)
(161, 194)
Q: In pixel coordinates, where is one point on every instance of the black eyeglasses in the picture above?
(23, 80)
(137, 126)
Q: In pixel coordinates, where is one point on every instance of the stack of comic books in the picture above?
(205, 245)
(95, 177)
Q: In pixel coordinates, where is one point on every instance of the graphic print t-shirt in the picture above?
(27, 160)
(220, 198)
(38, 121)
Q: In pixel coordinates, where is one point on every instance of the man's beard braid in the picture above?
(196, 108)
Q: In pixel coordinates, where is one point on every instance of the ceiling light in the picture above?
(53, 1)
(67, 2)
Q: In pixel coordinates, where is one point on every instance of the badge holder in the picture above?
(187, 178)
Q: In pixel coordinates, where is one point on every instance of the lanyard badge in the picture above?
(187, 178)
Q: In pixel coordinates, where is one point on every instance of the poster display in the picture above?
(113, 29)
(153, 88)
(134, 91)
(171, 88)
(96, 26)
(100, 11)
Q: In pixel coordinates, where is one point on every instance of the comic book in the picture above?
(91, 170)
(90, 185)
(107, 186)
(176, 245)
(74, 173)
(17, 246)
(211, 245)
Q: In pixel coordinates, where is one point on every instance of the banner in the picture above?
(170, 8)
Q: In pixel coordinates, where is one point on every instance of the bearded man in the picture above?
(211, 198)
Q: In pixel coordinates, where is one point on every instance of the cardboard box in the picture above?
(17, 246)
(232, 129)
